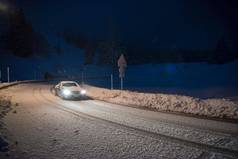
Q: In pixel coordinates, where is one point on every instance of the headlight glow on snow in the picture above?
(83, 92)
(66, 92)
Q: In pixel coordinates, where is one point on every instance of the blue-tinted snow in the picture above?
(199, 79)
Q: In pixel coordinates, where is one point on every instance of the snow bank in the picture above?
(5, 85)
(219, 108)
(5, 107)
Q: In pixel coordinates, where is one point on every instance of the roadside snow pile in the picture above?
(4, 85)
(5, 107)
(219, 108)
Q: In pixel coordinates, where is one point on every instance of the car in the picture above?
(69, 90)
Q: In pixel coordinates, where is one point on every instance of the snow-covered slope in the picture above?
(201, 80)
(69, 62)
(194, 79)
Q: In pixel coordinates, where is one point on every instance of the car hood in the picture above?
(72, 88)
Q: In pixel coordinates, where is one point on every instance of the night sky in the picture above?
(147, 29)
(150, 24)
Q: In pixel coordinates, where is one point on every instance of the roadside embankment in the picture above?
(214, 108)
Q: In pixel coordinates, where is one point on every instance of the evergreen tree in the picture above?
(20, 37)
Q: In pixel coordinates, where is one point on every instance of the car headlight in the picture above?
(66, 92)
(83, 92)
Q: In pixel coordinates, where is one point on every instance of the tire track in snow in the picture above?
(203, 147)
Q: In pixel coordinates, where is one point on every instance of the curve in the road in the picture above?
(208, 148)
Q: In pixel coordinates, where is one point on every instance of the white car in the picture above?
(69, 90)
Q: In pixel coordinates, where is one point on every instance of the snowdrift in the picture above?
(219, 108)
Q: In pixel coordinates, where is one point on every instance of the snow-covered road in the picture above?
(44, 126)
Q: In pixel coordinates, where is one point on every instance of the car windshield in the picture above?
(69, 84)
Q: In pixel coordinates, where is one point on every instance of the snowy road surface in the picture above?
(45, 126)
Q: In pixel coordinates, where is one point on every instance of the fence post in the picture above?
(8, 74)
(111, 81)
(82, 77)
(121, 83)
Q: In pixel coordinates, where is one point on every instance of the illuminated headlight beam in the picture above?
(83, 92)
(66, 92)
